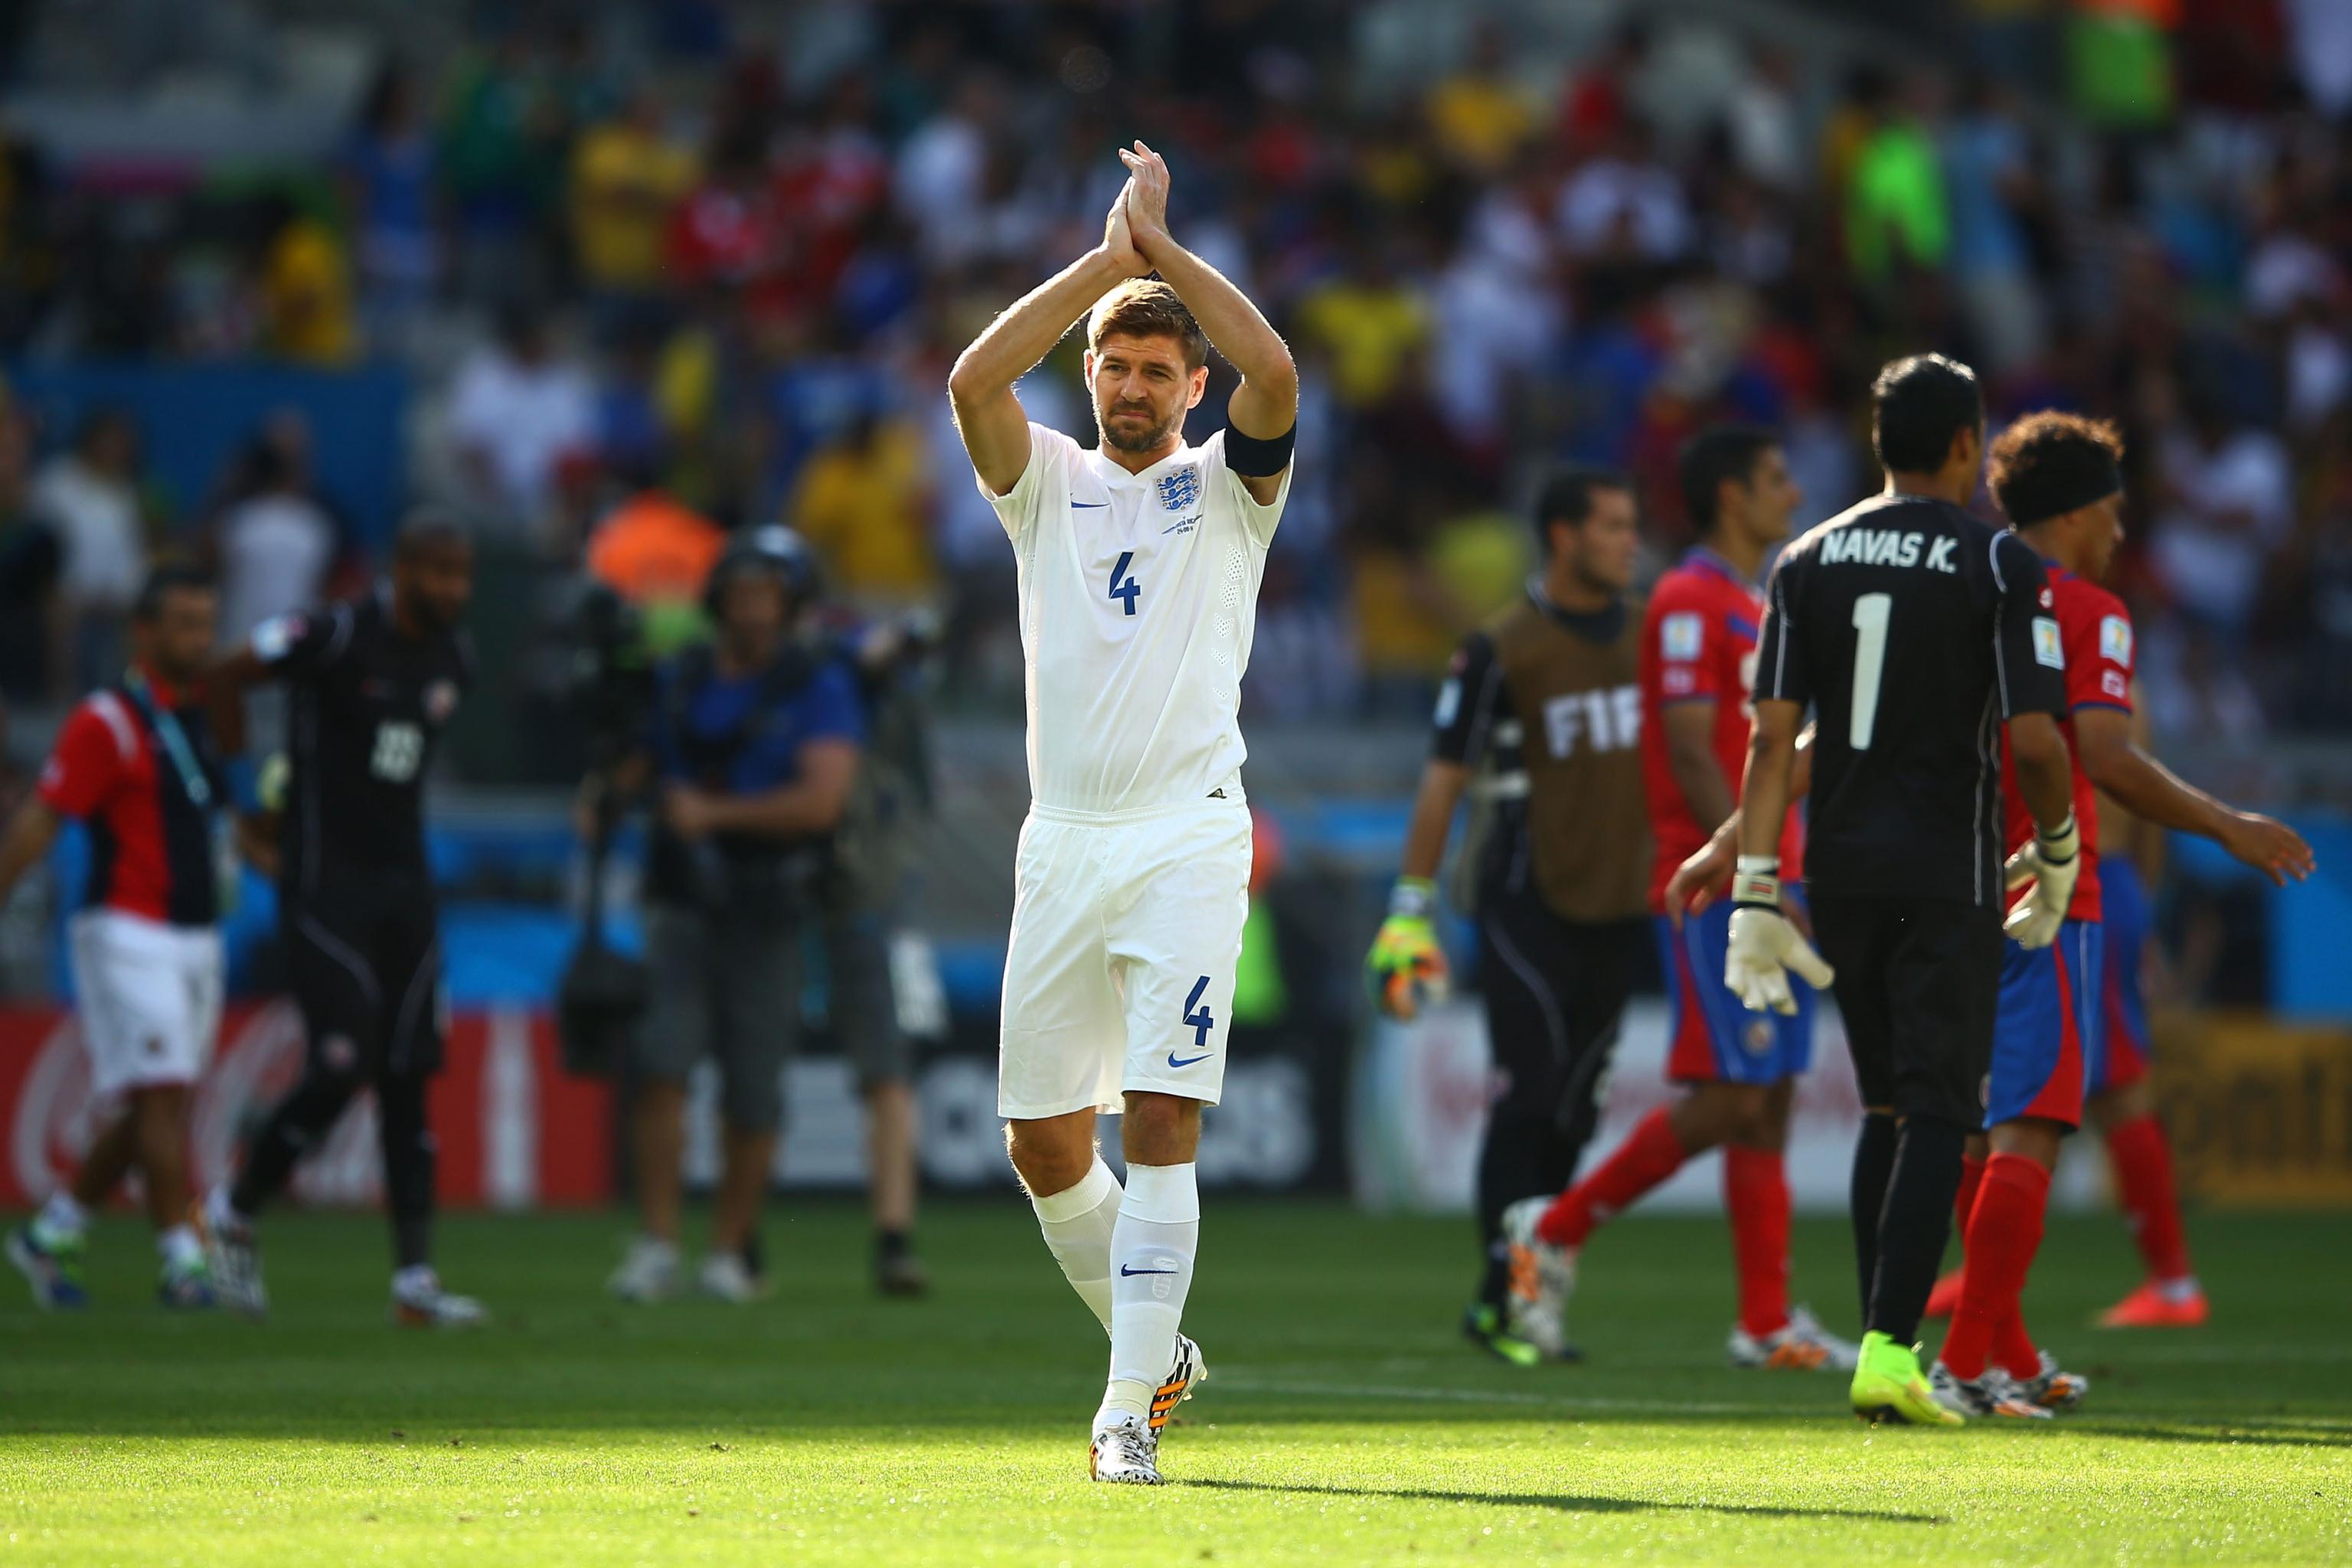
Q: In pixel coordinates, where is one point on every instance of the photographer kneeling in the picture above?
(752, 751)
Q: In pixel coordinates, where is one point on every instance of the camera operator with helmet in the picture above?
(753, 749)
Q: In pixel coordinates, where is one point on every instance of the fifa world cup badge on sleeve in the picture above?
(2047, 647)
(1681, 636)
(2115, 640)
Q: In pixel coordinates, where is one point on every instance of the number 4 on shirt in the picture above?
(1123, 587)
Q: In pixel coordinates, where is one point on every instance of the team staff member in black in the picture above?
(1547, 694)
(371, 685)
(1913, 629)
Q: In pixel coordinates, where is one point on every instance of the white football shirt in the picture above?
(1139, 599)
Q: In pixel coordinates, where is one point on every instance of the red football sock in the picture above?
(2004, 1231)
(1964, 1201)
(2014, 1349)
(2142, 1160)
(1756, 1195)
(1648, 1156)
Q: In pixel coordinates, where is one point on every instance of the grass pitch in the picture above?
(1344, 1424)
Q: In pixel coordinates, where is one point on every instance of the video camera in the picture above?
(603, 991)
(612, 678)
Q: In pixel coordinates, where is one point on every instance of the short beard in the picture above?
(1143, 443)
(1592, 585)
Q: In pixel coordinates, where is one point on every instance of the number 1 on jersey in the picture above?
(1871, 613)
(1123, 587)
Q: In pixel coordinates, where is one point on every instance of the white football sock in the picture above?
(221, 1211)
(1157, 1233)
(61, 1216)
(180, 1247)
(1078, 1224)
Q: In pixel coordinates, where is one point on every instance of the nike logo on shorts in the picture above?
(1188, 1061)
(1124, 1269)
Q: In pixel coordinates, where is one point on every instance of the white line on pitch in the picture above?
(2217, 1355)
(1484, 1397)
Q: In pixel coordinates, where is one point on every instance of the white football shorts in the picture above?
(149, 995)
(1120, 973)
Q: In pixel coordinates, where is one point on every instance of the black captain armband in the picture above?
(1255, 459)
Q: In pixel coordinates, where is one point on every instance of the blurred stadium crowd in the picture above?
(660, 270)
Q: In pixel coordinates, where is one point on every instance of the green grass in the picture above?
(1344, 1423)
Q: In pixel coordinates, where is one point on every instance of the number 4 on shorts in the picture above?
(1196, 1014)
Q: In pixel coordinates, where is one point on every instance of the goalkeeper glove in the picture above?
(276, 773)
(1407, 966)
(256, 786)
(2052, 863)
(1764, 946)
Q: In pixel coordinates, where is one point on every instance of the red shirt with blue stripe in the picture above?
(1698, 645)
(147, 799)
(2095, 641)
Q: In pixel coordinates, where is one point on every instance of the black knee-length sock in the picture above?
(1914, 1224)
(1874, 1163)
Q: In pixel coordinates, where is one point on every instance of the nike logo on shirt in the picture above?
(1080, 503)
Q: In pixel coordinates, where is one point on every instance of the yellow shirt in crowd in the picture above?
(867, 512)
(1370, 332)
(625, 181)
(306, 296)
(1480, 122)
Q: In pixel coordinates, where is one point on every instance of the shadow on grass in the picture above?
(2236, 1435)
(1570, 1503)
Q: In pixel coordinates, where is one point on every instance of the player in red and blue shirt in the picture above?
(2058, 478)
(134, 765)
(1698, 663)
(2049, 1027)
(2063, 492)
(2120, 1101)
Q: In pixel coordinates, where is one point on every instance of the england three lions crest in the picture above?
(1181, 488)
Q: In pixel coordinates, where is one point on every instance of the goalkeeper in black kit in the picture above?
(1913, 631)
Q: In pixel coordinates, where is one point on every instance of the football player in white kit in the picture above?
(1139, 562)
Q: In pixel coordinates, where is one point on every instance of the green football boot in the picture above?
(1482, 1325)
(1889, 1386)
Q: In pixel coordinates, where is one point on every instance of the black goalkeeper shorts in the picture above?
(1919, 983)
(363, 955)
